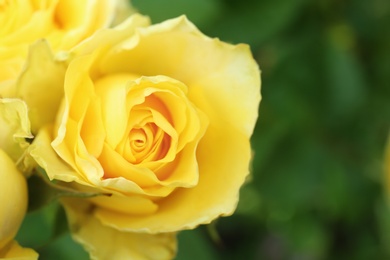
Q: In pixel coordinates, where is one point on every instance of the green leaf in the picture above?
(63, 248)
(37, 227)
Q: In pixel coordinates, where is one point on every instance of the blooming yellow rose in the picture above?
(63, 22)
(13, 205)
(157, 119)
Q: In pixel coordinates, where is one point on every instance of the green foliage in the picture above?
(47, 232)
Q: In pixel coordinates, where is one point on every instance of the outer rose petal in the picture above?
(40, 86)
(16, 252)
(14, 129)
(103, 242)
(46, 157)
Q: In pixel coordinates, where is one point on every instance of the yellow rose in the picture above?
(64, 23)
(157, 117)
(13, 205)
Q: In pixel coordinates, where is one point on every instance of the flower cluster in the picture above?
(153, 120)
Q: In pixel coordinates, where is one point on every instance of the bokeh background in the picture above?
(317, 187)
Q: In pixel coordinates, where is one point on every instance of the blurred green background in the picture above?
(317, 184)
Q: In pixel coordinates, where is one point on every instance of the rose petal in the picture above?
(43, 153)
(103, 242)
(92, 131)
(112, 92)
(111, 36)
(77, 20)
(23, 24)
(134, 205)
(115, 165)
(15, 129)
(79, 96)
(40, 86)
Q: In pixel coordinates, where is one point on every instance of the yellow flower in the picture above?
(13, 205)
(157, 117)
(64, 23)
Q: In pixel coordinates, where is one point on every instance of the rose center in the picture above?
(145, 143)
(138, 140)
